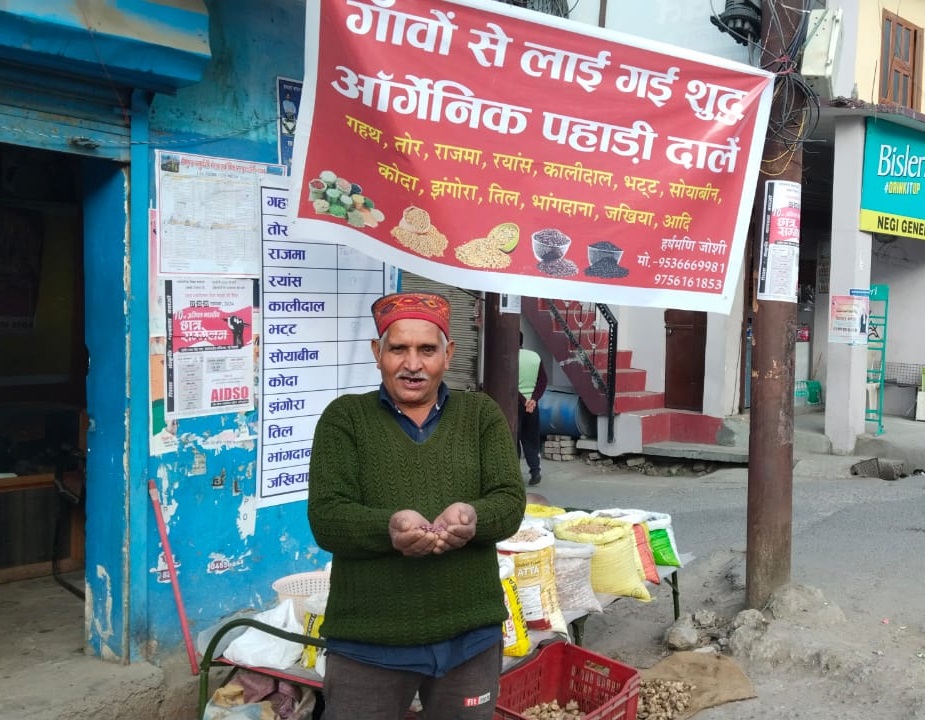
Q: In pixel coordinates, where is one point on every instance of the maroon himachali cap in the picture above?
(418, 306)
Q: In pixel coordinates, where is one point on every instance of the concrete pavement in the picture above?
(902, 439)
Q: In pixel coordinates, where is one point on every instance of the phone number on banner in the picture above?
(710, 266)
(687, 282)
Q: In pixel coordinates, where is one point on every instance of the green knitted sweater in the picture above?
(364, 468)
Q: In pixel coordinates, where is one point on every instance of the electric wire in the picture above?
(797, 103)
(91, 34)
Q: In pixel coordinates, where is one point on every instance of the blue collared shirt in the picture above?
(435, 659)
(417, 433)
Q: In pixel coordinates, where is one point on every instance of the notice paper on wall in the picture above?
(779, 264)
(208, 216)
(210, 345)
(848, 317)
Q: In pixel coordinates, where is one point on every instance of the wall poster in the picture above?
(848, 317)
(208, 218)
(288, 97)
(317, 327)
(210, 352)
(779, 264)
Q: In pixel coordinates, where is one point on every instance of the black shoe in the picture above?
(534, 479)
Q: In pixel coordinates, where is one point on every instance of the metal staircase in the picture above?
(582, 337)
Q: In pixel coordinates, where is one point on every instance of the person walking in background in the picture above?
(411, 487)
(531, 385)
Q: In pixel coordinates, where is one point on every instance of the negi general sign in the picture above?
(505, 150)
(893, 186)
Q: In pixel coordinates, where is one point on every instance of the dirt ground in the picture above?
(804, 664)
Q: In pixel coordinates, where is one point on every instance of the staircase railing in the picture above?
(599, 383)
(611, 365)
(609, 386)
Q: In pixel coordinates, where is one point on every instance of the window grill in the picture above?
(904, 374)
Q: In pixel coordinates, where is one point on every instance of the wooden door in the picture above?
(685, 349)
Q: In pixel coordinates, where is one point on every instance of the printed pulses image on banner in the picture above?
(525, 154)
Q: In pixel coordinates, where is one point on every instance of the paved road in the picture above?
(861, 541)
(850, 534)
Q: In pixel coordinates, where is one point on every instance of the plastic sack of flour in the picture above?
(314, 619)
(543, 515)
(645, 558)
(573, 577)
(516, 635)
(533, 552)
(613, 566)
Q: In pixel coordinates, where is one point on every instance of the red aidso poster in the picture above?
(210, 359)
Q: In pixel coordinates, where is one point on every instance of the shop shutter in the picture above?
(43, 109)
(464, 370)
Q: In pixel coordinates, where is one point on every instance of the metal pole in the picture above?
(174, 580)
(502, 342)
(770, 465)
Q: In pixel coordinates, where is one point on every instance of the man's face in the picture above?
(412, 357)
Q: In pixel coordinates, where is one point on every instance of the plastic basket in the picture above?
(800, 393)
(301, 586)
(807, 392)
(813, 392)
(603, 688)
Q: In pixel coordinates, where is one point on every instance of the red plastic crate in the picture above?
(604, 688)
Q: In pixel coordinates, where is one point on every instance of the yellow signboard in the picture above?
(880, 222)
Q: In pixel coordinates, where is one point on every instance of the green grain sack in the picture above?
(661, 537)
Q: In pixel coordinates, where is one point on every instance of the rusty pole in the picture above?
(770, 446)
(502, 343)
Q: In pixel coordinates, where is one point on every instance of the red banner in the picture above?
(500, 149)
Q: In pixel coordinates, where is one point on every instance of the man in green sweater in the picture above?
(410, 488)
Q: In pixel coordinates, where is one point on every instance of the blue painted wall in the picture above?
(228, 553)
(141, 43)
(105, 220)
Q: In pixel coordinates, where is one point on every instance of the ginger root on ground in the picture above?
(663, 699)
